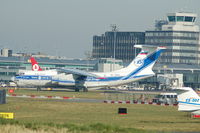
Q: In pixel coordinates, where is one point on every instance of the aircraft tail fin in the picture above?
(188, 99)
(35, 66)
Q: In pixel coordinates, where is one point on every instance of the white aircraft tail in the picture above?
(142, 65)
(188, 99)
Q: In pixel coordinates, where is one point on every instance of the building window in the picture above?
(180, 18)
(172, 18)
(188, 19)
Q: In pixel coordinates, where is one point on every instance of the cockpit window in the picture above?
(21, 74)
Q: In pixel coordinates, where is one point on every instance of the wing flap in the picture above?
(79, 73)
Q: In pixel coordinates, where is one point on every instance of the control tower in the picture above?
(181, 22)
(181, 37)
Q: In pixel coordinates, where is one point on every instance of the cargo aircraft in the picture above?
(139, 68)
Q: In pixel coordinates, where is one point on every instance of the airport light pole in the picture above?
(114, 29)
(88, 55)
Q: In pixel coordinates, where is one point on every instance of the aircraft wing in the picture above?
(78, 72)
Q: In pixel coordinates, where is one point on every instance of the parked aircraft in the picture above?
(37, 70)
(188, 99)
(34, 77)
(139, 68)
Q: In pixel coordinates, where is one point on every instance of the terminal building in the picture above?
(117, 44)
(5, 52)
(10, 66)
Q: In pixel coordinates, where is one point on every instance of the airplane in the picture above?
(32, 78)
(139, 68)
(37, 70)
(188, 99)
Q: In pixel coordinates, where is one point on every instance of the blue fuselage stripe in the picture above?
(189, 103)
(33, 77)
(50, 78)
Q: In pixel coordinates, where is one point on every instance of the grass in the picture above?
(60, 115)
(56, 92)
(51, 127)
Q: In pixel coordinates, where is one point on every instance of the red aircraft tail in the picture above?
(35, 66)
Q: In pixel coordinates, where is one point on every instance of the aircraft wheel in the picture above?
(85, 90)
(76, 90)
(39, 89)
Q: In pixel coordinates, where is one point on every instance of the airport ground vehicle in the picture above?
(166, 98)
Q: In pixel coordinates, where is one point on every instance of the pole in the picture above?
(114, 29)
(114, 49)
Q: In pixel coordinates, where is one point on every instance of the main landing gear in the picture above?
(77, 90)
(84, 89)
(39, 88)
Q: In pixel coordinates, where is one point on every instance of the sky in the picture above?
(66, 27)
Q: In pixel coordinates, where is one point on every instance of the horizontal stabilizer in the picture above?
(149, 48)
